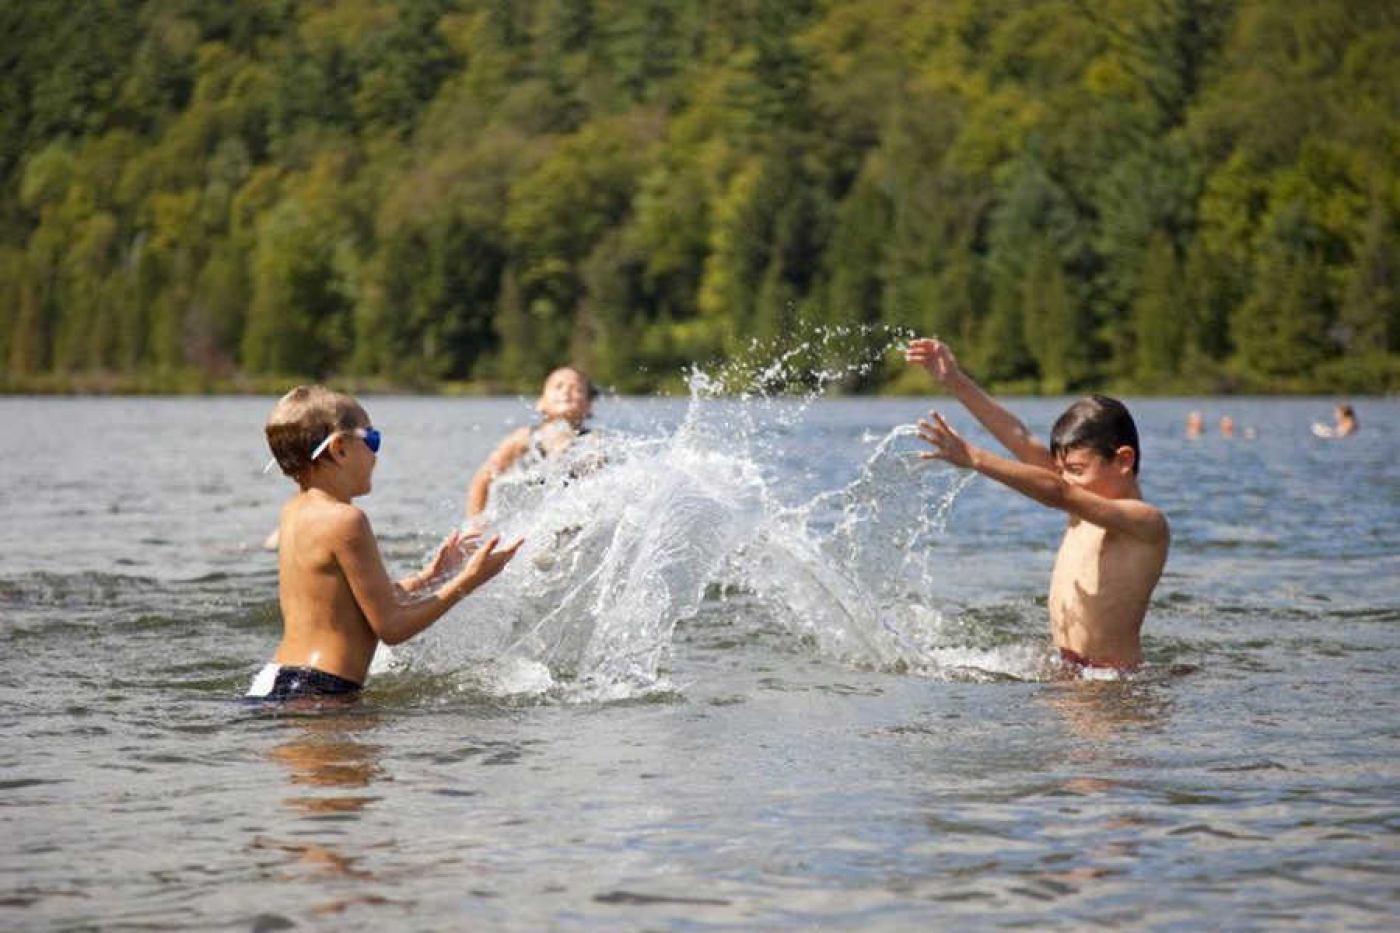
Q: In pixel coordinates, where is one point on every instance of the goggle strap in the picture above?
(321, 447)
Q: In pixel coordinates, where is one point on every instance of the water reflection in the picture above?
(1111, 722)
(323, 753)
(1106, 712)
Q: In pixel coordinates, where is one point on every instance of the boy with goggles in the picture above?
(337, 600)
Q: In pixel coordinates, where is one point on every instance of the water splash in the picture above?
(629, 535)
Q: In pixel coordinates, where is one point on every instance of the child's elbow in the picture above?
(1057, 492)
(391, 634)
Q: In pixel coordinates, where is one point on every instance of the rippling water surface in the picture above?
(757, 667)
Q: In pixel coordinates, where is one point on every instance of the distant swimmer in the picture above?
(1115, 546)
(1227, 426)
(1345, 424)
(1195, 424)
(336, 597)
(565, 403)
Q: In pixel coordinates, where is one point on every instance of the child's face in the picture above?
(359, 456)
(1091, 470)
(565, 395)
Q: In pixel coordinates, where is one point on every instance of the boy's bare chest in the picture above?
(1079, 565)
(1094, 564)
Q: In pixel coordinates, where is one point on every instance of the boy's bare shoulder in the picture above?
(330, 519)
(347, 520)
(1149, 521)
(1158, 518)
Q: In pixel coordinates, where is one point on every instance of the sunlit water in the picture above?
(756, 667)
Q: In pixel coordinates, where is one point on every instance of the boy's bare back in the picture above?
(337, 599)
(323, 625)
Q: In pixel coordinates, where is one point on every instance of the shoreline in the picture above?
(186, 386)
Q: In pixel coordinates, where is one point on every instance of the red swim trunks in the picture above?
(1075, 659)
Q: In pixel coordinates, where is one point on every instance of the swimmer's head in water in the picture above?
(567, 394)
(1097, 423)
(304, 419)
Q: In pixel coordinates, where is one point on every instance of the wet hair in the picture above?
(1346, 411)
(1097, 423)
(305, 417)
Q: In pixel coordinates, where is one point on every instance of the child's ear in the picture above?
(1124, 458)
(338, 448)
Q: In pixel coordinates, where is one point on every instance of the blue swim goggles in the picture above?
(369, 435)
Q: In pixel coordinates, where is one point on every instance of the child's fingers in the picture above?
(448, 543)
(483, 552)
(930, 431)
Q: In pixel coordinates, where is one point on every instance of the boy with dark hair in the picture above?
(1115, 546)
(337, 600)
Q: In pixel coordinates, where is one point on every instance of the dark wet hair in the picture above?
(1098, 423)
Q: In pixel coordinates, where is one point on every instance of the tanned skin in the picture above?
(337, 599)
(1115, 545)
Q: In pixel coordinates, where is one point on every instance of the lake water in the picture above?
(763, 670)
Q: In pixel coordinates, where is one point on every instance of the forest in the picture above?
(1144, 196)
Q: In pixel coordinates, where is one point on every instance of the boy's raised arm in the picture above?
(393, 621)
(936, 357)
(1129, 516)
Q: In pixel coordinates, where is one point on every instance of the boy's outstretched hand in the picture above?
(452, 553)
(934, 356)
(486, 563)
(946, 442)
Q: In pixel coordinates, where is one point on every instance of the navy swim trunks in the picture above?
(276, 682)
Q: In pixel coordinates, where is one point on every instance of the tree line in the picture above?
(1147, 195)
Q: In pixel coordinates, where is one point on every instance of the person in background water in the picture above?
(336, 597)
(1227, 426)
(565, 403)
(1345, 424)
(1115, 545)
(1195, 424)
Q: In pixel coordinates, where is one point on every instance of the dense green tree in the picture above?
(1161, 316)
(1161, 195)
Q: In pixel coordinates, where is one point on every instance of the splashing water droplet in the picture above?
(626, 534)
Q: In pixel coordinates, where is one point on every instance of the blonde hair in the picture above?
(305, 417)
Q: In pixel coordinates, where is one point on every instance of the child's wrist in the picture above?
(459, 588)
